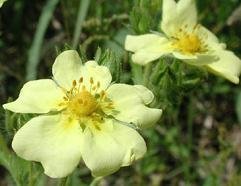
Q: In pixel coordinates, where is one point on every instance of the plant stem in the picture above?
(35, 49)
(83, 9)
(190, 136)
(147, 73)
(63, 181)
(136, 73)
(95, 181)
(30, 183)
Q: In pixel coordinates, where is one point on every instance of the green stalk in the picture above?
(147, 73)
(96, 181)
(63, 181)
(190, 137)
(35, 49)
(83, 9)
(136, 73)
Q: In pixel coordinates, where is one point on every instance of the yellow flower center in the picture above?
(83, 104)
(188, 43)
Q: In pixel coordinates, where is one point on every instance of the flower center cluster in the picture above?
(188, 43)
(81, 103)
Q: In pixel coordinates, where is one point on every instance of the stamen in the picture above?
(74, 83)
(65, 98)
(85, 103)
(189, 42)
(80, 101)
(97, 127)
(102, 94)
(81, 80)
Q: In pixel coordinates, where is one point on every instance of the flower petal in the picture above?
(1, 2)
(39, 96)
(66, 68)
(200, 60)
(105, 151)
(51, 140)
(143, 57)
(147, 47)
(178, 15)
(206, 35)
(228, 66)
(99, 74)
(130, 104)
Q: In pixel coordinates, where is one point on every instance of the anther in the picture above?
(65, 99)
(61, 104)
(74, 83)
(80, 101)
(81, 80)
(102, 94)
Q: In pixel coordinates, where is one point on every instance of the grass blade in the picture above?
(83, 9)
(35, 50)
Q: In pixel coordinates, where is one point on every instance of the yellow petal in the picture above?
(130, 104)
(199, 60)
(98, 73)
(207, 36)
(147, 47)
(39, 96)
(228, 66)
(104, 152)
(177, 15)
(51, 140)
(66, 68)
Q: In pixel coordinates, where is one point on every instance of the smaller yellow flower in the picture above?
(187, 40)
(93, 120)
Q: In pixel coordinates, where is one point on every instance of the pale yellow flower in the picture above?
(84, 116)
(187, 40)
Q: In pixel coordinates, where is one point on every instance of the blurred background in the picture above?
(197, 141)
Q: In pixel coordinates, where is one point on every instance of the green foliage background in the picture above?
(197, 141)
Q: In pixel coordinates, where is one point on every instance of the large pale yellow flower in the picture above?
(187, 40)
(84, 116)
